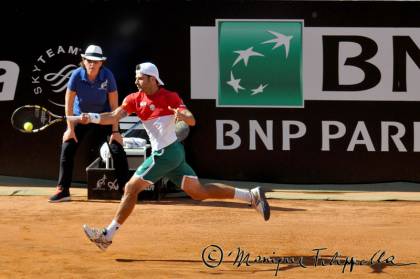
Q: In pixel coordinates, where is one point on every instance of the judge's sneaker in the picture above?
(61, 194)
(259, 202)
(97, 236)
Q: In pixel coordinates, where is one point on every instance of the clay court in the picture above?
(168, 239)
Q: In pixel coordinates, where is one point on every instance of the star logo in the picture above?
(259, 89)
(260, 63)
(245, 54)
(280, 40)
(234, 83)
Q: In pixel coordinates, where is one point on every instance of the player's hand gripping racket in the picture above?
(34, 118)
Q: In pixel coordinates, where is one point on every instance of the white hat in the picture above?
(94, 53)
(149, 69)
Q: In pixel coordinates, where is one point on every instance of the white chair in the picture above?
(128, 125)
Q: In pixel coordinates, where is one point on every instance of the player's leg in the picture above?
(133, 187)
(151, 170)
(197, 191)
(256, 196)
(157, 165)
(103, 237)
(184, 176)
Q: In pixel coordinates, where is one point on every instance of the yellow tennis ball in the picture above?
(28, 126)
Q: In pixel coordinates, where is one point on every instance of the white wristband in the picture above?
(94, 118)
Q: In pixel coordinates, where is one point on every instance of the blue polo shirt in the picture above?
(91, 96)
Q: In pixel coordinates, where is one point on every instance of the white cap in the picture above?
(94, 53)
(149, 69)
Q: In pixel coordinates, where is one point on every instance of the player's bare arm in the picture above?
(184, 115)
(106, 118)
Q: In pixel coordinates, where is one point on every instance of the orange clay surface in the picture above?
(166, 239)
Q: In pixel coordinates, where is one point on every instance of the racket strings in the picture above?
(35, 115)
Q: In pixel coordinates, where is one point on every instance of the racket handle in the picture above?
(73, 117)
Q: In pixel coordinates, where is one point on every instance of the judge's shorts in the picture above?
(167, 162)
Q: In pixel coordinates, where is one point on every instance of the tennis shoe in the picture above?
(61, 195)
(97, 236)
(259, 202)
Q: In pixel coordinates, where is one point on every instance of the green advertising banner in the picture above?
(260, 63)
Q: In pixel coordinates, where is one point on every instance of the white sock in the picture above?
(242, 194)
(111, 229)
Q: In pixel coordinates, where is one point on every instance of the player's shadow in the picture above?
(186, 201)
(150, 260)
(184, 261)
(285, 263)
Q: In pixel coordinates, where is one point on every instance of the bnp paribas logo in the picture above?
(260, 63)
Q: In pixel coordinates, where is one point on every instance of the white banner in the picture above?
(204, 63)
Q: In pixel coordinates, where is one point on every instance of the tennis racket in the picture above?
(34, 118)
(182, 130)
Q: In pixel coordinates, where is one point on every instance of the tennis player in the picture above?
(159, 109)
